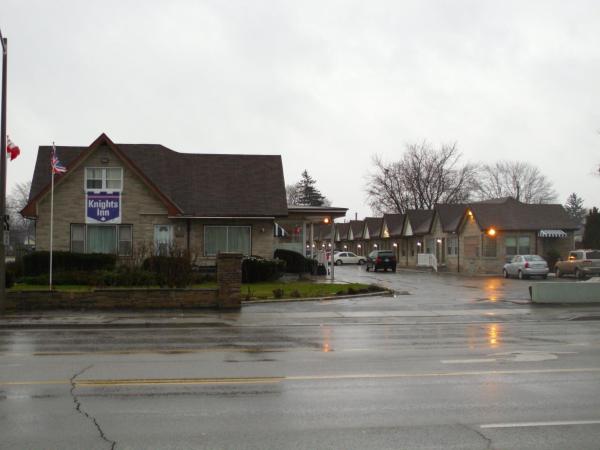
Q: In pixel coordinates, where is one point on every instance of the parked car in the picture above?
(348, 258)
(581, 263)
(381, 259)
(525, 266)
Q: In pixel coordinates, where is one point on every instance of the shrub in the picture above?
(295, 293)
(38, 263)
(296, 262)
(255, 269)
(171, 271)
(9, 281)
(278, 293)
(552, 256)
(16, 267)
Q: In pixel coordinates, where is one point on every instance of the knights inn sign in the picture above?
(103, 207)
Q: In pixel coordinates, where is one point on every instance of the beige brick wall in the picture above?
(141, 208)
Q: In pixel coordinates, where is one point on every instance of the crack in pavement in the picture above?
(78, 408)
(481, 435)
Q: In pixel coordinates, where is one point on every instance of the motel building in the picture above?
(137, 200)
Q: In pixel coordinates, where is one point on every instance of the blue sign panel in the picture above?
(103, 207)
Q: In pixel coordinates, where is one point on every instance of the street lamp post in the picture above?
(3, 177)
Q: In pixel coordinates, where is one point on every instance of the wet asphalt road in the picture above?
(462, 363)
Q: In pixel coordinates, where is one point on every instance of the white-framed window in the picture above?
(103, 178)
(163, 239)
(517, 245)
(452, 244)
(235, 239)
(113, 239)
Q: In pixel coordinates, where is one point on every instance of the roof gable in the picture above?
(192, 185)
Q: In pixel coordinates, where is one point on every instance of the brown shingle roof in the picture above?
(357, 227)
(513, 215)
(374, 224)
(342, 230)
(395, 223)
(420, 220)
(450, 216)
(201, 185)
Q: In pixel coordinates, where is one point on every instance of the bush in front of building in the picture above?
(9, 280)
(171, 271)
(255, 269)
(38, 263)
(296, 262)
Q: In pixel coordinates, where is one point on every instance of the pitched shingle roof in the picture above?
(357, 227)
(374, 224)
(395, 223)
(420, 220)
(450, 216)
(201, 185)
(511, 214)
(342, 230)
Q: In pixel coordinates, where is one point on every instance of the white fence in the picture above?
(427, 260)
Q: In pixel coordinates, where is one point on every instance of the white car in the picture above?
(348, 258)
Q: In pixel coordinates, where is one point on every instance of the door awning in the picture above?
(552, 234)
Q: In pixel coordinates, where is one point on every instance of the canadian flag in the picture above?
(12, 149)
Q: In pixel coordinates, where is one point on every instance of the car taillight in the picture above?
(527, 265)
(378, 260)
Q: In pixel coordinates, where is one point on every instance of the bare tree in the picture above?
(292, 194)
(520, 180)
(423, 177)
(20, 227)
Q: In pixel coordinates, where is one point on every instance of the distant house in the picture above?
(140, 199)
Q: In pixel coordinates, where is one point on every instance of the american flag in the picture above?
(57, 166)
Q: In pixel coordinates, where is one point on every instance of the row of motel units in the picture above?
(472, 238)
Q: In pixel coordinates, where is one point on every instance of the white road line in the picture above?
(467, 361)
(540, 424)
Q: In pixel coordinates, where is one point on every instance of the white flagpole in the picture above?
(51, 214)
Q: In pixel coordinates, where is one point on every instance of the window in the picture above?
(163, 239)
(234, 239)
(104, 178)
(113, 239)
(524, 248)
(489, 246)
(510, 244)
(77, 238)
(429, 245)
(452, 246)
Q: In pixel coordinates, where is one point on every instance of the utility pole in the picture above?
(3, 178)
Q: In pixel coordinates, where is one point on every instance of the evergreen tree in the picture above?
(574, 207)
(308, 194)
(591, 232)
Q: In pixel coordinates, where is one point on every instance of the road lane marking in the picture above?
(468, 361)
(279, 379)
(540, 424)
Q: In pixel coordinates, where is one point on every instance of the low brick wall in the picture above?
(113, 299)
(226, 296)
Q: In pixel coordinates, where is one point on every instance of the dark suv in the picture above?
(381, 259)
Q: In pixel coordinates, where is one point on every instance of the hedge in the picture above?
(38, 263)
(255, 269)
(296, 262)
(171, 271)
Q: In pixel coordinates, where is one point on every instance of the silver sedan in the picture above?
(525, 266)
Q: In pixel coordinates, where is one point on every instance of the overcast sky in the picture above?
(326, 84)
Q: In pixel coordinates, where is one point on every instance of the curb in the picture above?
(384, 293)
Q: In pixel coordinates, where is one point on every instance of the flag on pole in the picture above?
(11, 149)
(57, 166)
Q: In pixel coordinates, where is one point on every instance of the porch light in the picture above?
(326, 220)
(395, 244)
(345, 247)
(470, 213)
(328, 245)
(439, 241)
(359, 246)
(491, 232)
(418, 244)
(374, 245)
